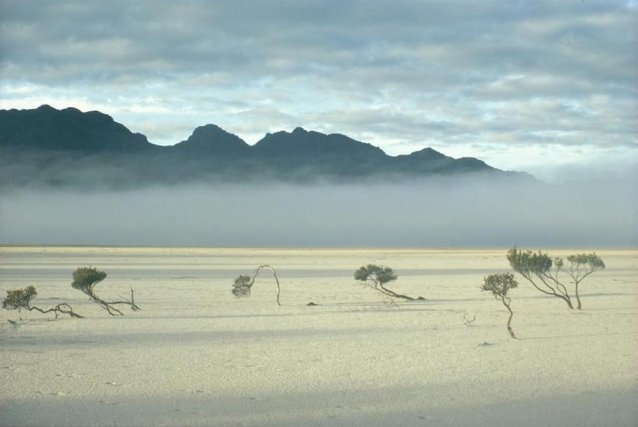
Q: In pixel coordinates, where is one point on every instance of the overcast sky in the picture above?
(527, 85)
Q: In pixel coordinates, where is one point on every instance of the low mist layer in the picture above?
(428, 213)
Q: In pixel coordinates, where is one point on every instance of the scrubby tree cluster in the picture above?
(86, 278)
(20, 299)
(545, 273)
(499, 285)
(551, 276)
(243, 283)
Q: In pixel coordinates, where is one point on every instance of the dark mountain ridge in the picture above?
(309, 145)
(46, 146)
(46, 128)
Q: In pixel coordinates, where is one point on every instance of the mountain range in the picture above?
(47, 146)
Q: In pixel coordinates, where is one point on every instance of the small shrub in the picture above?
(499, 285)
(86, 278)
(17, 299)
(242, 285)
(376, 276)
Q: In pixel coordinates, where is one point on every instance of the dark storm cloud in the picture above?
(396, 73)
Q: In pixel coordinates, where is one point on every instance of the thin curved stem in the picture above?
(506, 303)
(274, 273)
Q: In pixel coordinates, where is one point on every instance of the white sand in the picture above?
(196, 355)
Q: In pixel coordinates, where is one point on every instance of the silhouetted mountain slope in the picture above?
(310, 146)
(69, 147)
(302, 152)
(46, 128)
(431, 161)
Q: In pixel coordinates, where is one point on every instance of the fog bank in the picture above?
(428, 213)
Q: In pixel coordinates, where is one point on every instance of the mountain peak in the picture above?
(74, 110)
(45, 107)
(428, 152)
(211, 138)
(207, 131)
(299, 131)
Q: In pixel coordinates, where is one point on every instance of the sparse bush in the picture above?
(243, 283)
(499, 285)
(18, 299)
(543, 272)
(86, 278)
(377, 276)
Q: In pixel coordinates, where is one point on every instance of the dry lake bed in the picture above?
(197, 355)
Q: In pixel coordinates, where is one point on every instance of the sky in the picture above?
(544, 87)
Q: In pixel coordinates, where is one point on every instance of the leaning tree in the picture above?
(499, 285)
(376, 276)
(20, 299)
(544, 272)
(86, 278)
(243, 283)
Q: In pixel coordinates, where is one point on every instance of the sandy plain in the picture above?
(196, 355)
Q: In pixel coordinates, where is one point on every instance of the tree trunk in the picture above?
(579, 306)
(108, 306)
(567, 300)
(105, 305)
(394, 294)
(509, 320)
(552, 291)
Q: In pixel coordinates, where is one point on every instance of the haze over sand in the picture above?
(195, 355)
(439, 212)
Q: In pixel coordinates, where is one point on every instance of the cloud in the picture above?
(400, 74)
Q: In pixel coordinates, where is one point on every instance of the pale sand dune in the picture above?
(195, 355)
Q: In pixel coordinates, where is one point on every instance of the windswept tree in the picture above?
(376, 276)
(499, 285)
(544, 272)
(86, 278)
(20, 299)
(580, 266)
(243, 283)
